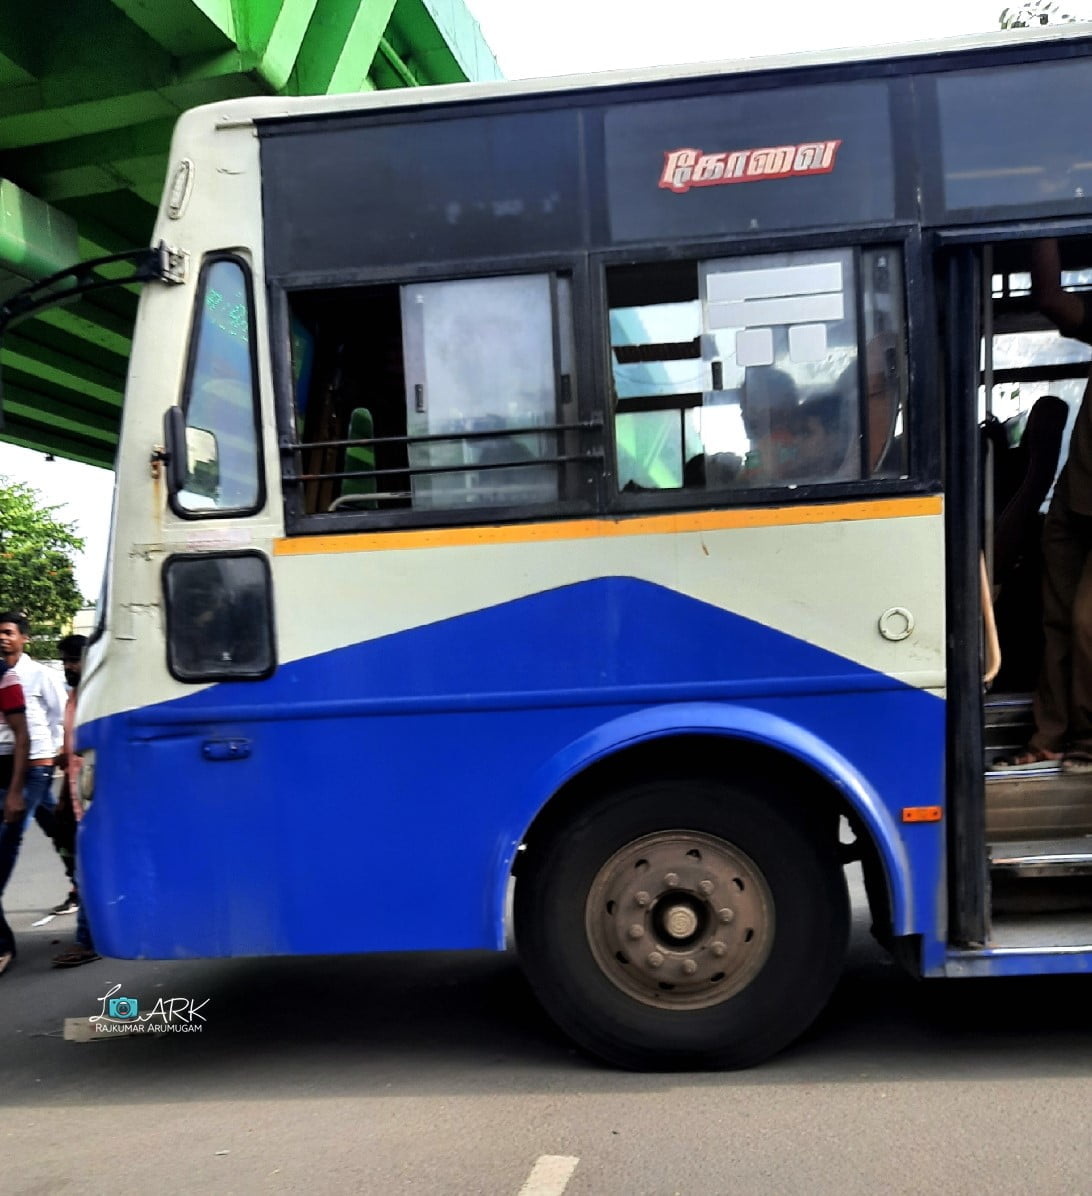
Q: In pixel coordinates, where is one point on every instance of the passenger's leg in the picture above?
(1063, 565)
(1080, 711)
(35, 787)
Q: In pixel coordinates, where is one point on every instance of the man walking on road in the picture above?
(44, 699)
(13, 770)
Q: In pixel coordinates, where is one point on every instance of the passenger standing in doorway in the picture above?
(1063, 700)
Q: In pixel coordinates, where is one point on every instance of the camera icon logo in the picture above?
(122, 1008)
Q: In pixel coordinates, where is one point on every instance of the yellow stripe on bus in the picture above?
(602, 528)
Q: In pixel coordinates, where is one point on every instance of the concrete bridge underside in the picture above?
(89, 92)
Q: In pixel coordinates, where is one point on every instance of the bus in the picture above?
(615, 500)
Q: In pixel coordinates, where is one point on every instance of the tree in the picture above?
(37, 571)
(1035, 12)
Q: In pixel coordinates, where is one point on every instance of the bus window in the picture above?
(436, 396)
(749, 372)
(223, 462)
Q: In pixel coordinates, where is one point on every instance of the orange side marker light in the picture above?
(922, 813)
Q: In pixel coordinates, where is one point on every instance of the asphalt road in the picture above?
(439, 1074)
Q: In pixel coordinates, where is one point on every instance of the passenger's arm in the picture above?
(15, 805)
(1063, 308)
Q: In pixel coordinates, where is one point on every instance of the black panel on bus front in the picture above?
(794, 157)
(341, 196)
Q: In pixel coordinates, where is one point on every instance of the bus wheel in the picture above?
(683, 924)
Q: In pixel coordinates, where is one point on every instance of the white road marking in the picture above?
(550, 1175)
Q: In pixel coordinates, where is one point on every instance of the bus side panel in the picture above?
(380, 788)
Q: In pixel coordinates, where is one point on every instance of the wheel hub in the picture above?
(680, 919)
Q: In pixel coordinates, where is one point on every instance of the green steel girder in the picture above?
(89, 93)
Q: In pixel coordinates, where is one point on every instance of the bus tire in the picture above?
(683, 923)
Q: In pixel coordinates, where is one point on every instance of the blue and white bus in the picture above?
(586, 489)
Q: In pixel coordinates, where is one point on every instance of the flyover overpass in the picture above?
(89, 92)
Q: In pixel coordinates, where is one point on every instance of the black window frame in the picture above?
(588, 410)
(922, 407)
(261, 497)
(205, 677)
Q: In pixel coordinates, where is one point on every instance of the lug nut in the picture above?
(718, 949)
(689, 967)
(726, 915)
(671, 880)
(636, 931)
(642, 898)
(655, 960)
(706, 887)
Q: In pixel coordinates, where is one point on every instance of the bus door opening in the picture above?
(1036, 542)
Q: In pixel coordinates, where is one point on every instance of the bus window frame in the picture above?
(261, 497)
(211, 675)
(280, 291)
(923, 410)
(935, 212)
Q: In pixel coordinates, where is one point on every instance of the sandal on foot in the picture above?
(73, 958)
(1077, 762)
(1028, 757)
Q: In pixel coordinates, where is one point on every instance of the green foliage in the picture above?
(1033, 13)
(37, 570)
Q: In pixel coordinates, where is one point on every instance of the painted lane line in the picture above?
(550, 1175)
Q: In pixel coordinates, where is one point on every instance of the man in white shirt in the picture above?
(44, 695)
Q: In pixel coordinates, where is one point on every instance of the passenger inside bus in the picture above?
(1063, 697)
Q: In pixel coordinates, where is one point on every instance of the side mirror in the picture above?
(193, 462)
(174, 441)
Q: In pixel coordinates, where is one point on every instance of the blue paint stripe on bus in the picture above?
(340, 833)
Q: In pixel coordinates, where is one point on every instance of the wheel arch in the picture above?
(707, 739)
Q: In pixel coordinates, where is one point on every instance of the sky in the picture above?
(553, 37)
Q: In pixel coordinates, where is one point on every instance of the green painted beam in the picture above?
(99, 327)
(35, 407)
(183, 27)
(11, 73)
(276, 61)
(89, 93)
(339, 46)
(44, 365)
(139, 139)
(35, 239)
(41, 438)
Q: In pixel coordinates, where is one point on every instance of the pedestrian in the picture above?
(13, 772)
(70, 804)
(70, 649)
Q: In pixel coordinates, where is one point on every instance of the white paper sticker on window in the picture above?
(773, 282)
(797, 309)
(754, 346)
(808, 342)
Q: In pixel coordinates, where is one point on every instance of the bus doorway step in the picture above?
(1042, 876)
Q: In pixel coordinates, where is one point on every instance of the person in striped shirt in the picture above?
(13, 771)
